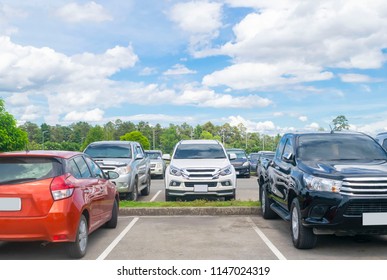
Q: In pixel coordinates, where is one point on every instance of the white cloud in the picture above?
(355, 78)
(312, 126)
(209, 98)
(263, 75)
(89, 12)
(303, 118)
(179, 69)
(250, 125)
(94, 115)
(200, 19)
(291, 42)
(147, 71)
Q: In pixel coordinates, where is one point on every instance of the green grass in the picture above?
(194, 203)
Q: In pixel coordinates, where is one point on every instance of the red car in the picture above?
(55, 196)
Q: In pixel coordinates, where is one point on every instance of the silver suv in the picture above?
(128, 159)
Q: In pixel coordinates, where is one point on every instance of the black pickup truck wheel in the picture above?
(267, 212)
(302, 237)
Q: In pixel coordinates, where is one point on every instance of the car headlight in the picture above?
(124, 170)
(245, 164)
(158, 165)
(225, 171)
(176, 171)
(322, 184)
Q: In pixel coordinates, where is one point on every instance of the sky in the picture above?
(274, 66)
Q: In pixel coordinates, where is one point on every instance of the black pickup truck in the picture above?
(327, 183)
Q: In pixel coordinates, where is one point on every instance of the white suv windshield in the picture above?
(199, 151)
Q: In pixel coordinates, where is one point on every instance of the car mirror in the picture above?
(288, 157)
(112, 175)
(166, 157)
(139, 157)
(232, 156)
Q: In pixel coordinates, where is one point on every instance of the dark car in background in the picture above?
(241, 163)
(264, 158)
(253, 158)
(55, 196)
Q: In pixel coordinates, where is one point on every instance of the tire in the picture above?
(112, 223)
(77, 249)
(230, 197)
(133, 195)
(302, 237)
(168, 197)
(146, 191)
(267, 212)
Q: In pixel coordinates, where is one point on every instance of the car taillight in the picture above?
(61, 188)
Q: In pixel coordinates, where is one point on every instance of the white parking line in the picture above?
(268, 243)
(155, 196)
(118, 239)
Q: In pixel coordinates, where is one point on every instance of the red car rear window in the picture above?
(15, 170)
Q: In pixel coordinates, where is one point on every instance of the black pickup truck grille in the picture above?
(356, 208)
(373, 186)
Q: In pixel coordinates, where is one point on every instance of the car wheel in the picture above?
(302, 237)
(146, 191)
(267, 212)
(112, 223)
(133, 195)
(230, 197)
(78, 248)
(168, 197)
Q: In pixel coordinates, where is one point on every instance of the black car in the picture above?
(241, 163)
(327, 183)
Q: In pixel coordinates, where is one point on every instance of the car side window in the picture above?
(288, 149)
(95, 169)
(385, 144)
(83, 168)
(139, 150)
(73, 169)
(280, 148)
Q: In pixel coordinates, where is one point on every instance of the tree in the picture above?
(138, 137)
(12, 138)
(340, 123)
(94, 134)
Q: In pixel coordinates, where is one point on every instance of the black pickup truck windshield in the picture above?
(331, 147)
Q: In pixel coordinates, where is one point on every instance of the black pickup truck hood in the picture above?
(344, 168)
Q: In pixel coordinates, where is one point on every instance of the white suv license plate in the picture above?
(200, 188)
(10, 204)
(374, 219)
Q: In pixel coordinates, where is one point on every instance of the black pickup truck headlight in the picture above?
(322, 184)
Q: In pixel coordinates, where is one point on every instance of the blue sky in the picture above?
(274, 66)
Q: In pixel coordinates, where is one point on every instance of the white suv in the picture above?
(200, 168)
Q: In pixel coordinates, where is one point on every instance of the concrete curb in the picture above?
(188, 211)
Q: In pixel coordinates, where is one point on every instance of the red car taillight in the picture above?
(61, 188)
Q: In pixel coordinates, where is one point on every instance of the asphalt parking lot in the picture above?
(247, 237)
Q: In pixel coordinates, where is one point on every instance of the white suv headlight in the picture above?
(322, 184)
(176, 171)
(225, 171)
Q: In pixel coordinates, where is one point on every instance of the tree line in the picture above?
(77, 136)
